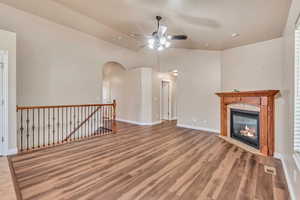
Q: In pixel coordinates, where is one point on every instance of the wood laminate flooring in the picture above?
(148, 163)
(7, 190)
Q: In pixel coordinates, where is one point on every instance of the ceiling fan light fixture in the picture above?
(234, 35)
(167, 44)
(160, 48)
(159, 39)
(151, 41)
(163, 40)
(151, 46)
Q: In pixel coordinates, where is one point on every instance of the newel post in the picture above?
(114, 116)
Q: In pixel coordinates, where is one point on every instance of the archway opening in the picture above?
(110, 73)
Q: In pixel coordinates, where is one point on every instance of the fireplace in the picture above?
(264, 101)
(244, 126)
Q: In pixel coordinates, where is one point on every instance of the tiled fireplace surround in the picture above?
(240, 106)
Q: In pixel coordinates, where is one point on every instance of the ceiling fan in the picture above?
(159, 39)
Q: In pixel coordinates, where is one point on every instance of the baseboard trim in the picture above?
(12, 151)
(296, 157)
(277, 155)
(139, 123)
(199, 128)
(150, 123)
(287, 177)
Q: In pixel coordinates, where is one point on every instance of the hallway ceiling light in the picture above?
(234, 35)
(175, 72)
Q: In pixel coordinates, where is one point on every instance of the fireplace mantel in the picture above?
(264, 99)
(258, 93)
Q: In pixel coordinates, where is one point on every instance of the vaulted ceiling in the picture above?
(208, 23)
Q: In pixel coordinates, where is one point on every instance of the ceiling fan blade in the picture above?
(162, 30)
(139, 36)
(179, 37)
(142, 46)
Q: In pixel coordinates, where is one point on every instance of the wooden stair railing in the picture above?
(45, 126)
(82, 123)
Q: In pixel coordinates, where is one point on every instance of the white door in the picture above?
(165, 100)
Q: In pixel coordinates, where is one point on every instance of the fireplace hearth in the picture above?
(244, 126)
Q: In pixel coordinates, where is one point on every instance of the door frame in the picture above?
(169, 100)
(4, 115)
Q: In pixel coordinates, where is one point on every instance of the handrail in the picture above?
(82, 123)
(45, 126)
(60, 106)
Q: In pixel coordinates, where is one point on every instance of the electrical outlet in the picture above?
(270, 170)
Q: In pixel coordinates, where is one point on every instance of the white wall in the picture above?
(257, 67)
(199, 78)
(125, 88)
(56, 64)
(8, 43)
(137, 92)
(292, 173)
(146, 95)
(253, 67)
(157, 78)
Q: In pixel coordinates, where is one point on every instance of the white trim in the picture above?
(4, 132)
(277, 155)
(296, 157)
(199, 128)
(150, 123)
(128, 121)
(13, 151)
(139, 123)
(288, 178)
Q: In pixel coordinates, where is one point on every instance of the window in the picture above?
(3, 99)
(297, 90)
(297, 97)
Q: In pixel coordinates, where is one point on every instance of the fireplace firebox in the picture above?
(244, 126)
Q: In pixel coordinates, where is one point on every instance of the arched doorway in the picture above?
(111, 73)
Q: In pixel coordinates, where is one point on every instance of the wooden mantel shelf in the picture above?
(258, 93)
(264, 99)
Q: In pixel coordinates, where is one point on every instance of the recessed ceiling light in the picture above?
(234, 35)
(175, 71)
